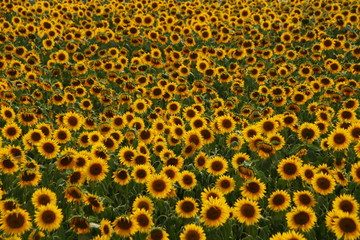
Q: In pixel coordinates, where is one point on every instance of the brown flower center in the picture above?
(15, 220)
(301, 218)
(347, 225)
(213, 213)
(48, 217)
(247, 210)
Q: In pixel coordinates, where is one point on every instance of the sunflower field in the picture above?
(190, 120)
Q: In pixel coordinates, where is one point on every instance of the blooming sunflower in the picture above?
(226, 124)
(48, 217)
(73, 121)
(11, 131)
(225, 184)
(307, 172)
(239, 158)
(302, 218)
(211, 193)
(323, 183)
(143, 219)
(247, 211)
(43, 197)
(308, 132)
(289, 168)
(346, 226)
(143, 202)
(158, 186)
(304, 199)
(346, 203)
(187, 180)
(217, 165)
(339, 139)
(279, 200)
(96, 169)
(125, 226)
(214, 212)
(15, 222)
(106, 228)
(121, 177)
(187, 208)
(193, 232)
(157, 234)
(48, 148)
(253, 189)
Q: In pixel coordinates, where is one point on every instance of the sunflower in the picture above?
(289, 168)
(48, 217)
(304, 199)
(268, 126)
(73, 194)
(226, 124)
(345, 226)
(217, 165)
(143, 219)
(126, 155)
(11, 131)
(62, 135)
(29, 178)
(289, 120)
(94, 202)
(62, 57)
(106, 228)
(158, 186)
(187, 208)
(200, 160)
(15, 222)
(346, 203)
(340, 177)
(214, 212)
(143, 202)
(193, 232)
(27, 118)
(125, 226)
(157, 234)
(339, 139)
(172, 172)
(293, 235)
(250, 132)
(73, 121)
(43, 197)
(323, 183)
(33, 136)
(48, 148)
(247, 211)
(253, 189)
(308, 132)
(7, 113)
(16, 153)
(96, 169)
(193, 137)
(276, 140)
(279, 200)
(354, 131)
(36, 235)
(239, 158)
(80, 225)
(121, 177)
(141, 173)
(225, 184)
(302, 218)
(8, 165)
(307, 172)
(187, 180)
